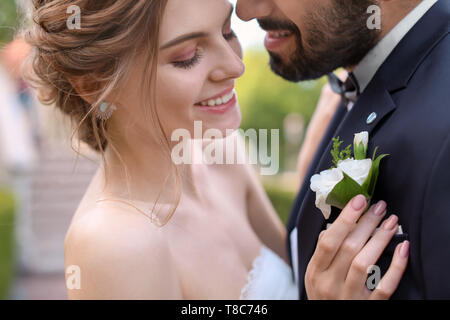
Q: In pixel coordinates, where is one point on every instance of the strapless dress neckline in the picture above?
(270, 279)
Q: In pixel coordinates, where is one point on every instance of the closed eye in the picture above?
(189, 63)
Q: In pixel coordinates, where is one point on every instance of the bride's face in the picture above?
(199, 60)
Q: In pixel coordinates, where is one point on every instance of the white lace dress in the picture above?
(270, 279)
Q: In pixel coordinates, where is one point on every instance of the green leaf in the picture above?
(344, 191)
(346, 153)
(359, 151)
(375, 171)
(336, 152)
(371, 181)
(374, 153)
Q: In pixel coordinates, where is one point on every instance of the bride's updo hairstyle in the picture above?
(101, 50)
(99, 53)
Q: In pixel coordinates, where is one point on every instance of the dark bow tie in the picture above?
(349, 90)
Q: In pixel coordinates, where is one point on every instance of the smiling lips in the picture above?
(221, 103)
(224, 99)
(274, 39)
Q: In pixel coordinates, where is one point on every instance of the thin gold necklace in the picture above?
(151, 216)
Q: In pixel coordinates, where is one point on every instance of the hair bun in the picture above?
(110, 31)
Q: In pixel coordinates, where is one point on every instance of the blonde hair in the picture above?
(104, 49)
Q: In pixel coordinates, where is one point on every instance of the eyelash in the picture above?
(188, 64)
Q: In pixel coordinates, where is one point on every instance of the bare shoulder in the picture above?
(120, 255)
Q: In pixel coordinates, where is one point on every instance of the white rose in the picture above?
(322, 184)
(358, 170)
(362, 137)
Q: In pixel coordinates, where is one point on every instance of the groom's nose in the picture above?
(254, 9)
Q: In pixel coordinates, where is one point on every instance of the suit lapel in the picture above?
(375, 102)
(310, 220)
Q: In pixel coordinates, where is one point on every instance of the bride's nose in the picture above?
(229, 65)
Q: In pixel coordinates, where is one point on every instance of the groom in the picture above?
(399, 91)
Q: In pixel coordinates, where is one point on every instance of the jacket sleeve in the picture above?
(435, 237)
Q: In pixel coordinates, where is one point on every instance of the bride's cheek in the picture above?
(180, 90)
(177, 93)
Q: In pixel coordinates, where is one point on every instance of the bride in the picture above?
(134, 72)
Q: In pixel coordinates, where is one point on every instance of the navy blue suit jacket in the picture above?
(411, 95)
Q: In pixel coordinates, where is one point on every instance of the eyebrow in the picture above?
(193, 35)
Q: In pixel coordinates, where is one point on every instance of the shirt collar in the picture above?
(370, 64)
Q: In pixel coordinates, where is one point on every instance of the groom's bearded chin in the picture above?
(335, 37)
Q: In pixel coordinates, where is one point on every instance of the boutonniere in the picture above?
(350, 175)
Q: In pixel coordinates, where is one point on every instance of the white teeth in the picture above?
(219, 101)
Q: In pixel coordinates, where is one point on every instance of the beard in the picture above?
(337, 37)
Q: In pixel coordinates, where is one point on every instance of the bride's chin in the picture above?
(225, 132)
(226, 124)
(231, 124)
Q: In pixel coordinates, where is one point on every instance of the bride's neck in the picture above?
(142, 173)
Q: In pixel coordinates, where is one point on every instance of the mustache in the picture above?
(274, 24)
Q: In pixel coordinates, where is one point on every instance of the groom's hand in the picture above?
(346, 252)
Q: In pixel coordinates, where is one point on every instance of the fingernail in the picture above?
(380, 208)
(359, 202)
(404, 250)
(390, 223)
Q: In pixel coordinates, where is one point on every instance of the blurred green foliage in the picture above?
(7, 212)
(282, 200)
(266, 99)
(8, 20)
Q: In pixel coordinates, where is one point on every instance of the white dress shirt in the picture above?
(366, 70)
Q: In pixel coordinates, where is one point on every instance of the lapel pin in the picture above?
(371, 118)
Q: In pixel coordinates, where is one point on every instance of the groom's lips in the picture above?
(276, 38)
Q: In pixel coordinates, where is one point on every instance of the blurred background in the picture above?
(42, 179)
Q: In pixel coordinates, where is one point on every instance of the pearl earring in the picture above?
(105, 111)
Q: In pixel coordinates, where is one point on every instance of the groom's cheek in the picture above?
(297, 10)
